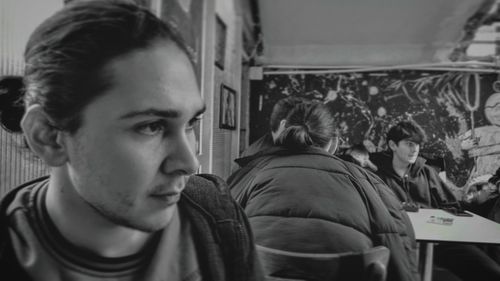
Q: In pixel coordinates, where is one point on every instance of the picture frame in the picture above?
(220, 42)
(227, 109)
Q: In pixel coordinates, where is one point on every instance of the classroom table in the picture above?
(438, 226)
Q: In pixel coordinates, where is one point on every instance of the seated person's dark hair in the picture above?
(282, 108)
(359, 147)
(11, 103)
(346, 154)
(307, 124)
(406, 130)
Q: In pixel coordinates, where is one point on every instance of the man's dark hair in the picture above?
(281, 110)
(67, 55)
(406, 130)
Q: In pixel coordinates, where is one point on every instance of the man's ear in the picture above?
(392, 145)
(43, 138)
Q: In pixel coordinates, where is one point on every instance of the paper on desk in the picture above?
(440, 220)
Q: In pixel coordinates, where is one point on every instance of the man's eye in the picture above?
(153, 128)
(193, 122)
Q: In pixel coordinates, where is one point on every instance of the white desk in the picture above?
(475, 229)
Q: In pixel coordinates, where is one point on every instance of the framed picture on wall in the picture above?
(220, 42)
(227, 109)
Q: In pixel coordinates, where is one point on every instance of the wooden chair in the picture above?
(370, 265)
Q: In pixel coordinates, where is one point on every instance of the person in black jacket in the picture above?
(418, 185)
(279, 112)
(301, 198)
(407, 174)
(112, 100)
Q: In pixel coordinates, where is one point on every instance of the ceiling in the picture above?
(337, 33)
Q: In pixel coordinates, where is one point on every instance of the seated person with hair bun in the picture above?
(280, 111)
(301, 198)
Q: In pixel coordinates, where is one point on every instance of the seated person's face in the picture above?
(132, 156)
(405, 150)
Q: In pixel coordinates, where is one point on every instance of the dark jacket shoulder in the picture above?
(284, 192)
(8, 261)
(222, 235)
(221, 229)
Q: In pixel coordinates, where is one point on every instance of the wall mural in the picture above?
(459, 111)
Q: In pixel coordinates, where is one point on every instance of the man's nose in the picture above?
(182, 156)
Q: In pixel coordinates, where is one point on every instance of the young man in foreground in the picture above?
(111, 103)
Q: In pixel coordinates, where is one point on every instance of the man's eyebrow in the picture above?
(151, 112)
(201, 111)
(169, 113)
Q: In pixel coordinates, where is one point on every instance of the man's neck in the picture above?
(401, 168)
(84, 226)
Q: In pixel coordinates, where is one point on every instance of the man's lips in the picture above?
(169, 198)
(170, 191)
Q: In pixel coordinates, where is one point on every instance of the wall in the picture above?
(195, 21)
(218, 146)
(365, 105)
(226, 141)
(18, 18)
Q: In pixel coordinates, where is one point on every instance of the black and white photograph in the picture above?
(227, 116)
(250, 140)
